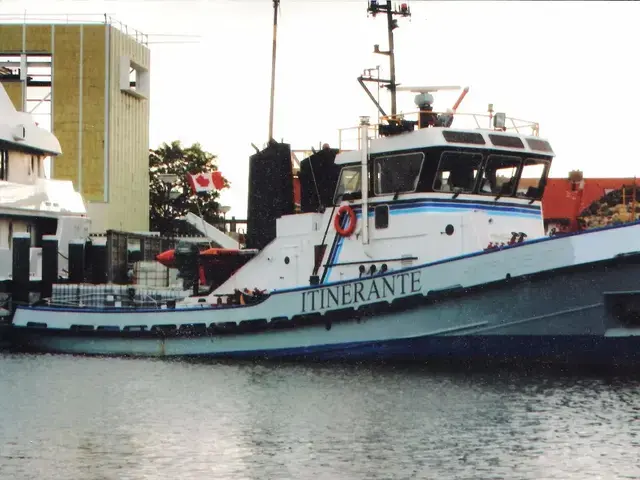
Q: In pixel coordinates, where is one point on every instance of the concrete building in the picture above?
(88, 82)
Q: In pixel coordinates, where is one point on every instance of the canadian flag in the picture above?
(205, 182)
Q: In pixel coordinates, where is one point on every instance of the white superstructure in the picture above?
(29, 202)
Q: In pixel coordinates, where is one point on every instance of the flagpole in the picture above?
(204, 226)
(192, 184)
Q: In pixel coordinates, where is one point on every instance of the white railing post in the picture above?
(364, 176)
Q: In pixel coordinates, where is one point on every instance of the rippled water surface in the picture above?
(91, 418)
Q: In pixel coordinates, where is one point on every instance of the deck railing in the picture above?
(349, 137)
(74, 19)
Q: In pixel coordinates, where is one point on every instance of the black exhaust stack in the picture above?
(318, 177)
(270, 193)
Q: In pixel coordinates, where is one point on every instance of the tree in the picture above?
(168, 202)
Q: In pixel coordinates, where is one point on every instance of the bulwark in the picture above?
(361, 291)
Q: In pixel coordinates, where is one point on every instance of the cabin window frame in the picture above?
(516, 176)
(480, 166)
(542, 180)
(374, 169)
(339, 182)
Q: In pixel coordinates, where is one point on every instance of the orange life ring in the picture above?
(351, 226)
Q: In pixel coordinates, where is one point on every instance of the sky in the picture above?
(571, 66)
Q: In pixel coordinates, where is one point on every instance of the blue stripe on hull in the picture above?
(563, 350)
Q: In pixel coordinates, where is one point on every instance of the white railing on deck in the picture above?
(461, 121)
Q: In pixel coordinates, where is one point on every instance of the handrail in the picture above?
(75, 19)
(518, 125)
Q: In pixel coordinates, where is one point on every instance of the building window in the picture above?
(134, 78)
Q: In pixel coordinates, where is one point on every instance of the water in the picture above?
(67, 417)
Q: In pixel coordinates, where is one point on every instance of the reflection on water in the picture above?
(92, 418)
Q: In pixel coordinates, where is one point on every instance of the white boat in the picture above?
(29, 202)
(450, 262)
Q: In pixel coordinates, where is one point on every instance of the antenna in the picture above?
(425, 99)
(374, 8)
(427, 89)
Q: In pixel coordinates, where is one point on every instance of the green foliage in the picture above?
(164, 210)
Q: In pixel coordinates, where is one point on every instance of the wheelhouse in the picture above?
(476, 168)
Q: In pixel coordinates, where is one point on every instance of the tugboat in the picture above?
(425, 244)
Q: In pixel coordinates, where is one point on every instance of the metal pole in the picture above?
(364, 177)
(204, 226)
(276, 4)
(633, 207)
(378, 85)
(392, 62)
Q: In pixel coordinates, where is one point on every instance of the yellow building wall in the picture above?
(93, 112)
(11, 38)
(38, 38)
(14, 90)
(78, 106)
(66, 100)
(128, 141)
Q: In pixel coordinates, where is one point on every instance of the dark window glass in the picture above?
(540, 145)
(499, 175)
(457, 171)
(397, 173)
(532, 179)
(463, 137)
(382, 216)
(4, 165)
(506, 141)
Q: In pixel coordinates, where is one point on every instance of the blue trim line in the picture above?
(456, 206)
(491, 203)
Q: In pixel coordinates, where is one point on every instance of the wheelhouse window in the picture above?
(348, 183)
(499, 176)
(457, 171)
(532, 179)
(397, 173)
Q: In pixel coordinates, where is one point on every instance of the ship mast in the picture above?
(276, 5)
(374, 8)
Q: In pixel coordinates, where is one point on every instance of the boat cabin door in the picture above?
(288, 266)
